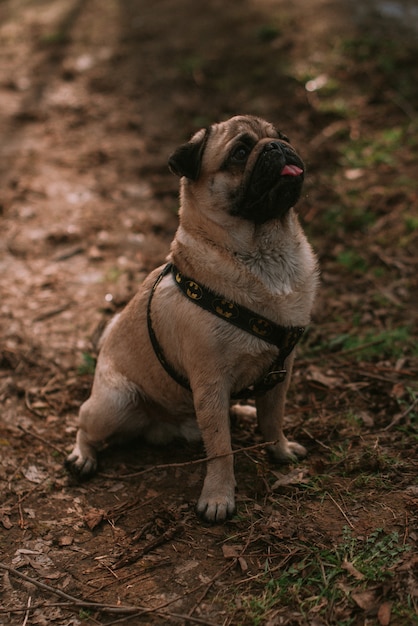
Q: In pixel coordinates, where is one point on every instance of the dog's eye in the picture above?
(240, 153)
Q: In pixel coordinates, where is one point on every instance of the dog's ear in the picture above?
(187, 159)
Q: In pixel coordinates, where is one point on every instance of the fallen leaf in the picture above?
(231, 552)
(5, 521)
(366, 418)
(34, 474)
(317, 376)
(384, 613)
(183, 568)
(243, 564)
(349, 567)
(46, 572)
(398, 390)
(94, 517)
(366, 600)
(65, 540)
(296, 477)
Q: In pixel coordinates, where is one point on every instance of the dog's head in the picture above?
(243, 166)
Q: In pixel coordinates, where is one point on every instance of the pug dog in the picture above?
(169, 366)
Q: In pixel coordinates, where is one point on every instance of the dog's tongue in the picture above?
(291, 170)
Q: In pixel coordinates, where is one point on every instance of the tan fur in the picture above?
(269, 268)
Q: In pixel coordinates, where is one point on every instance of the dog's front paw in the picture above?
(287, 452)
(216, 508)
(79, 465)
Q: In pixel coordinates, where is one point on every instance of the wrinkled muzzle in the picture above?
(273, 186)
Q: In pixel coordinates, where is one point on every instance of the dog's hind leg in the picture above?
(112, 410)
(270, 415)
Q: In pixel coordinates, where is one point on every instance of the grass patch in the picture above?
(372, 151)
(267, 33)
(352, 261)
(87, 365)
(318, 579)
(392, 343)
(411, 223)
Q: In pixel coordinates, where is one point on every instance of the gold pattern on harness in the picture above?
(193, 290)
(261, 327)
(225, 308)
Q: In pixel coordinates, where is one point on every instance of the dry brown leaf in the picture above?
(94, 517)
(349, 567)
(34, 474)
(366, 600)
(366, 418)
(295, 477)
(384, 613)
(398, 390)
(5, 521)
(231, 552)
(318, 376)
(243, 564)
(65, 540)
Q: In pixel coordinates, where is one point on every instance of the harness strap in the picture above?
(181, 380)
(238, 315)
(283, 337)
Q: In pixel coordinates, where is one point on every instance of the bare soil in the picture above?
(94, 97)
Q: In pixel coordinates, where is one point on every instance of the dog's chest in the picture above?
(276, 272)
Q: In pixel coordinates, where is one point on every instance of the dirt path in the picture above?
(94, 97)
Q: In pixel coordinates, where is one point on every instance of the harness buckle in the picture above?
(274, 377)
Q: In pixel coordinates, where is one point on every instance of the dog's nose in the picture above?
(273, 145)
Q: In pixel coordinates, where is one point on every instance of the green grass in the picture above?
(377, 149)
(54, 37)
(392, 343)
(408, 406)
(268, 33)
(411, 223)
(361, 344)
(352, 261)
(88, 364)
(349, 215)
(388, 54)
(84, 614)
(319, 578)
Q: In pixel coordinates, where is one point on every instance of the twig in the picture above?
(30, 407)
(208, 585)
(222, 571)
(359, 348)
(21, 519)
(52, 312)
(341, 511)
(45, 587)
(206, 459)
(34, 607)
(323, 445)
(21, 499)
(117, 511)
(39, 438)
(383, 379)
(151, 545)
(25, 621)
(107, 608)
(399, 418)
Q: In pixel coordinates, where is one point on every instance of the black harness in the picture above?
(284, 338)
